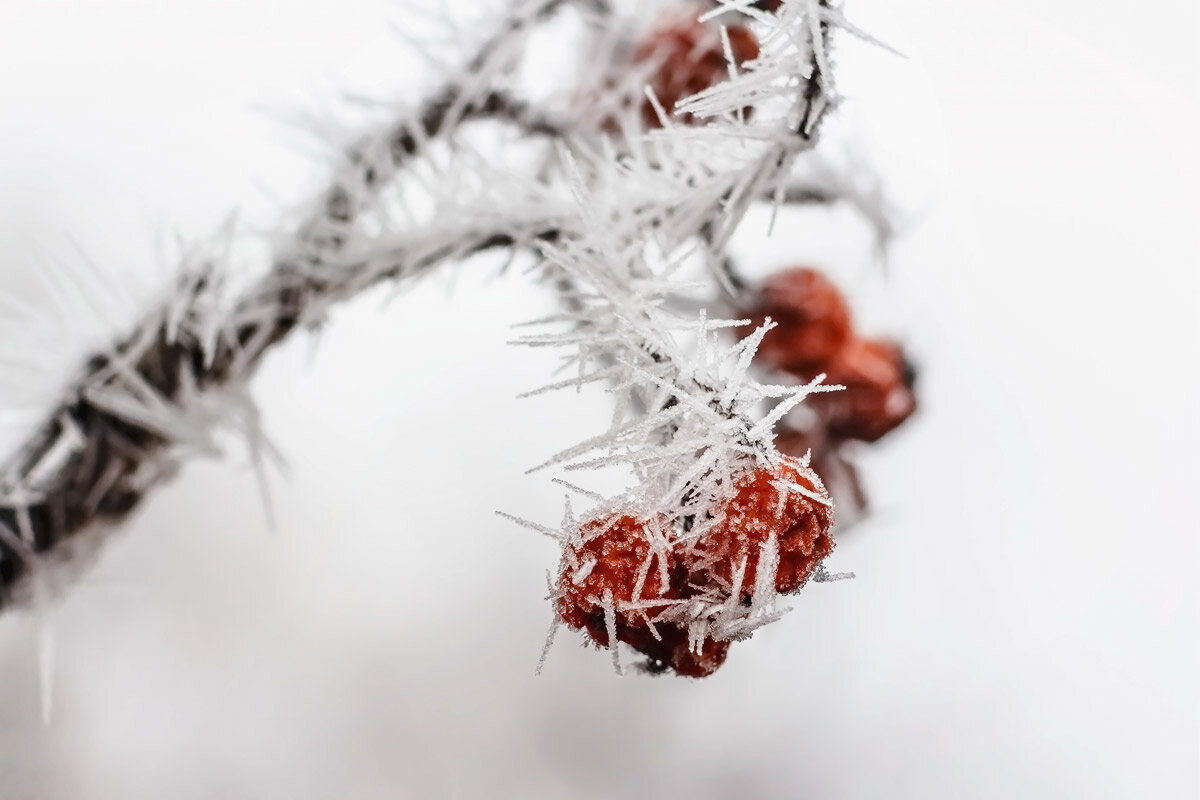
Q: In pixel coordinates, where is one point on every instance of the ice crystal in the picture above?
(615, 208)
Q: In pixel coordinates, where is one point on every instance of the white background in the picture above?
(1024, 623)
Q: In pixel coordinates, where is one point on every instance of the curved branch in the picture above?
(107, 444)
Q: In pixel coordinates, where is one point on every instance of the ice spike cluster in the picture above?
(607, 204)
(680, 590)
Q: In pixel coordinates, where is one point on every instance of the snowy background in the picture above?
(1025, 619)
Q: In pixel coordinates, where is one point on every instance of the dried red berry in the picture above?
(755, 508)
(878, 396)
(813, 319)
(688, 57)
(617, 566)
(614, 555)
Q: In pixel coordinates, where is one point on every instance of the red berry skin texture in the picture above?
(813, 320)
(688, 57)
(754, 509)
(608, 557)
(878, 396)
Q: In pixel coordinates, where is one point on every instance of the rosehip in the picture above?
(754, 509)
(878, 396)
(813, 319)
(609, 556)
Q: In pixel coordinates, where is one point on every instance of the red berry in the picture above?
(756, 508)
(878, 396)
(813, 319)
(688, 57)
(610, 555)
(614, 558)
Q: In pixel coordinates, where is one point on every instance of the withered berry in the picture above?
(755, 508)
(878, 396)
(813, 318)
(609, 556)
(608, 559)
(688, 57)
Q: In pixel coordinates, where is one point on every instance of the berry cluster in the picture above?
(654, 583)
(661, 584)
(816, 336)
(672, 587)
(757, 508)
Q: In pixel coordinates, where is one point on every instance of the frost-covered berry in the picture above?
(619, 570)
(687, 57)
(878, 396)
(671, 650)
(619, 557)
(813, 319)
(788, 502)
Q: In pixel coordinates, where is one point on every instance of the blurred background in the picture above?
(1025, 617)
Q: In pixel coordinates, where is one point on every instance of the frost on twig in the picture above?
(619, 208)
(692, 427)
(141, 405)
